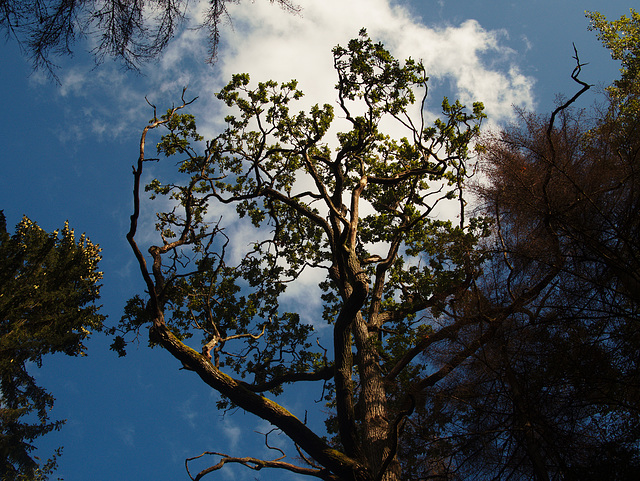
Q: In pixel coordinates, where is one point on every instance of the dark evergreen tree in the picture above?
(48, 288)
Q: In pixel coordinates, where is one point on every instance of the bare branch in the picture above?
(574, 77)
(256, 465)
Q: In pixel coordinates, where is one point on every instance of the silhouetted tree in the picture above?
(48, 287)
(128, 30)
(554, 394)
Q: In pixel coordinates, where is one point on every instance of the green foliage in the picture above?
(360, 212)
(622, 38)
(182, 130)
(369, 72)
(48, 286)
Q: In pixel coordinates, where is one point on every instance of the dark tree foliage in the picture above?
(453, 354)
(554, 394)
(358, 212)
(48, 286)
(132, 31)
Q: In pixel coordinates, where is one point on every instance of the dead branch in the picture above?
(257, 465)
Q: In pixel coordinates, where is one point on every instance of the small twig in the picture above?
(155, 117)
(266, 443)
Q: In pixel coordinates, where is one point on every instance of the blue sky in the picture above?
(67, 152)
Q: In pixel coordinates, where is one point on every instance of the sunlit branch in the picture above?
(208, 347)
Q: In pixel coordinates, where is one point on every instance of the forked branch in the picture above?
(137, 175)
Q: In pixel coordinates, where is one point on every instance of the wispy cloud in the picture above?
(232, 432)
(464, 61)
(189, 411)
(475, 64)
(127, 435)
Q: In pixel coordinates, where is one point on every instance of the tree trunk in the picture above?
(376, 438)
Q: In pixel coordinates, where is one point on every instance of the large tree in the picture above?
(360, 213)
(454, 354)
(554, 394)
(48, 288)
(132, 31)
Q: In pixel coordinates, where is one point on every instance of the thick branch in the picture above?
(344, 364)
(333, 460)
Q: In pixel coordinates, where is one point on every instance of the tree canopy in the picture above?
(553, 395)
(453, 342)
(357, 212)
(48, 287)
(622, 38)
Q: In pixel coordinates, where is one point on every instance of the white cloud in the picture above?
(232, 432)
(268, 42)
(112, 104)
(189, 412)
(463, 61)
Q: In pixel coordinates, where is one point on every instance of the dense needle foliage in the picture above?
(48, 288)
(131, 31)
